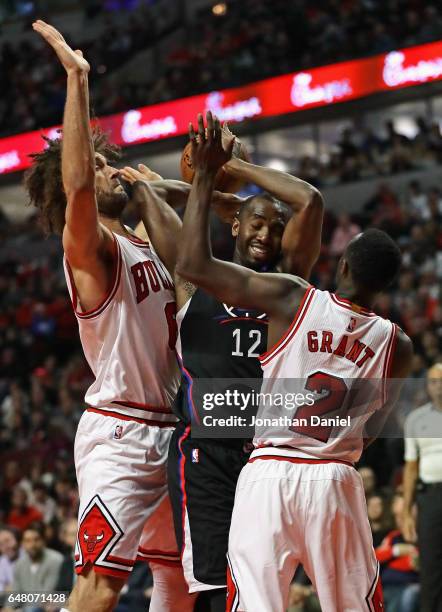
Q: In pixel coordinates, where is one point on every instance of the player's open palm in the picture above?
(131, 175)
(210, 151)
(72, 61)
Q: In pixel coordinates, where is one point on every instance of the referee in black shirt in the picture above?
(423, 476)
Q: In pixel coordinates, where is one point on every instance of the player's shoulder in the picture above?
(403, 354)
(292, 280)
(403, 342)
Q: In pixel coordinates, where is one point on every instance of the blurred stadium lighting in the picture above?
(219, 9)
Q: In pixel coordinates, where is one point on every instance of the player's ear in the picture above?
(345, 270)
(235, 227)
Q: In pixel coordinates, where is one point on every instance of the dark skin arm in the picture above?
(277, 294)
(161, 223)
(400, 370)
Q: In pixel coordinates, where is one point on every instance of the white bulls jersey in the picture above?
(129, 339)
(336, 356)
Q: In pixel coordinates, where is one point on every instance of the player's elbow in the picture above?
(315, 201)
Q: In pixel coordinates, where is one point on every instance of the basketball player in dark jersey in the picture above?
(280, 230)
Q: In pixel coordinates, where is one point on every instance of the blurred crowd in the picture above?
(242, 41)
(34, 92)
(363, 152)
(238, 41)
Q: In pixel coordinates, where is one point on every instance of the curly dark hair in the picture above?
(44, 184)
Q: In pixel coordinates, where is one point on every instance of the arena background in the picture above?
(368, 138)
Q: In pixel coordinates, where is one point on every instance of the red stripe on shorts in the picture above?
(299, 460)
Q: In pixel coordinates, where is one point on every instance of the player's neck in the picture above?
(353, 295)
(114, 225)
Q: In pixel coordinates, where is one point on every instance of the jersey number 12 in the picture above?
(255, 337)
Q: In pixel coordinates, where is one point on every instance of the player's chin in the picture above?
(112, 204)
(260, 257)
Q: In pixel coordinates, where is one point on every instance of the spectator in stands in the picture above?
(68, 413)
(43, 503)
(302, 598)
(345, 230)
(39, 568)
(68, 535)
(418, 201)
(10, 552)
(135, 595)
(423, 475)
(22, 514)
(379, 517)
(368, 480)
(399, 566)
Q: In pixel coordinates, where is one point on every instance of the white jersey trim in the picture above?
(344, 303)
(386, 371)
(95, 312)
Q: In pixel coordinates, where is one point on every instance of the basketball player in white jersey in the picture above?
(123, 298)
(300, 499)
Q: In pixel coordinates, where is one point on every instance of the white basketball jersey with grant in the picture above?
(331, 364)
(129, 339)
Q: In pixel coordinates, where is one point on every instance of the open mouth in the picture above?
(259, 251)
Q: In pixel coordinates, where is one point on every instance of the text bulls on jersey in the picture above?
(149, 276)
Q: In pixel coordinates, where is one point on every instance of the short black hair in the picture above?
(374, 260)
(262, 196)
(38, 527)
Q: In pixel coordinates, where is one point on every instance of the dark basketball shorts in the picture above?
(202, 476)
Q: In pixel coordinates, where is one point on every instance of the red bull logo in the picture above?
(92, 540)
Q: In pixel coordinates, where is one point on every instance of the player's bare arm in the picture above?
(160, 221)
(400, 370)
(410, 478)
(301, 241)
(276, 294)
(87, 244)
(176, 194)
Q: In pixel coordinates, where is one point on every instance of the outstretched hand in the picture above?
(72, 61)
(131, 175)
(211, 149)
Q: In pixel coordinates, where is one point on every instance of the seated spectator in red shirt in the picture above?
(399, 566)
(22, 514)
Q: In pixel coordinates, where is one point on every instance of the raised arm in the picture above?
(227, 281)
(301, 241)
(83, 235)
(161, 223)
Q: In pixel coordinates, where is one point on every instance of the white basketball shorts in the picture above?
(125, 513)
(289, 511)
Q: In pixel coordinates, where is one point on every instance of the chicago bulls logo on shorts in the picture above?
(92, 540)
(97, 532)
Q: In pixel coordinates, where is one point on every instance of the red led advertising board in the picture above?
(268, 98)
